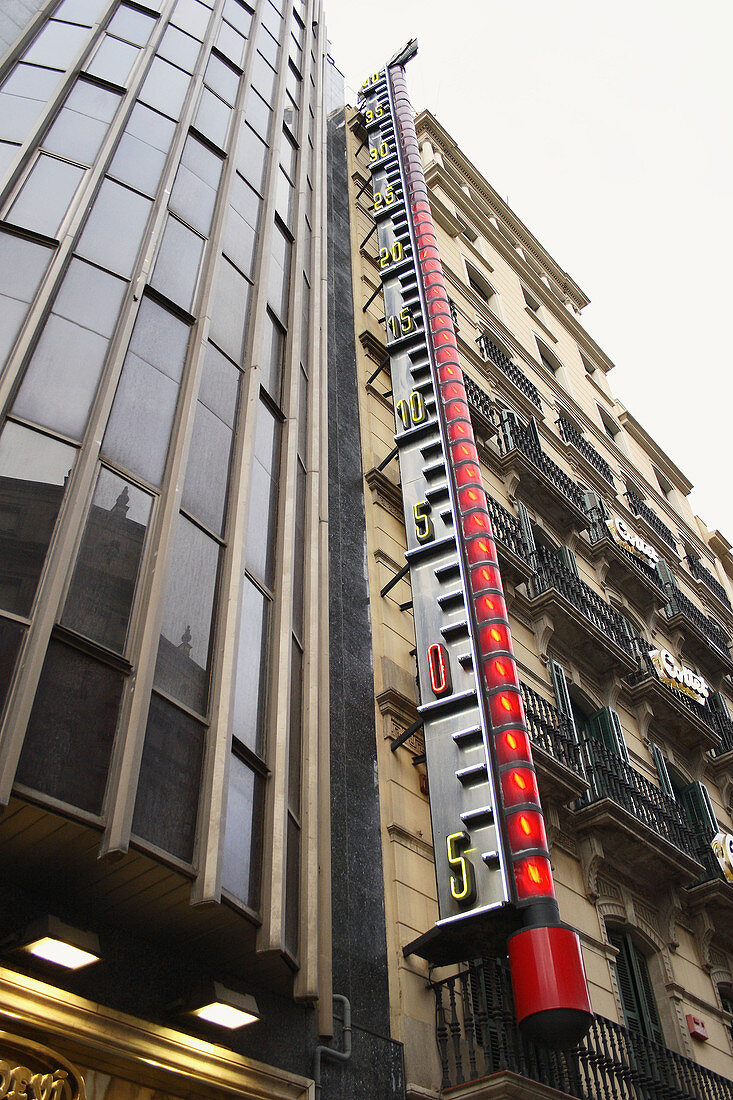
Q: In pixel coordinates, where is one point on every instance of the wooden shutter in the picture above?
(562, 695)
(594, 505)
(605, 726)
(635, 987)
(661, 765)
(665, 574)
(718, 705)
(567, 557)
(699, 809)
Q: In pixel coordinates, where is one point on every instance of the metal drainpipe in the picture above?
(329, 1052)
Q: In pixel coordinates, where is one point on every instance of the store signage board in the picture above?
(624, 536)
(675, 675)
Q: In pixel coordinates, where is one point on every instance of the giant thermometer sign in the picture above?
(493, 870)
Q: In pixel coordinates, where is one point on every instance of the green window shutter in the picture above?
(635, 987)
(562, 695)
(699, 809)
(718, 705)
(594, 505)
(567, 557)
(525, 526)
(665, 574)
(605, 726)
(661, 765)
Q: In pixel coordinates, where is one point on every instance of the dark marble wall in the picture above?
(359, 941)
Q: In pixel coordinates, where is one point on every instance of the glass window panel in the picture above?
(241, 833)
(250, 677)
(294, 84)
(272, 20)
(258, 114)
(113, 60)
(104, 239)
(45, 195)
(82, 123)
(295, 737)
(170, 779)
(134, 26)
(71, 729)
(305, 315)
(180, 48)
(177, 266)
(90, 297)
(238, 15)
(85, 12)
(263, 78)
(222, 79)
(239, 235)
(22, 265)
(11, 635)
(271, 360)
(182, 667)
(231, 43)
(279, 274)
(263, 497)
(7, 153)
(195, 188)
(165, 88)
(33, 473)
(142, 413)
(142, 151)
(292, 888)
(103, 585)
(284, 197)
(229, 309)
(22, 98)
(212, 118)
(267, 46)
(299, 556)
(289, 156)
(207, 472)
(56, 45)
(191, 17)
(303, 415)
(251, 157)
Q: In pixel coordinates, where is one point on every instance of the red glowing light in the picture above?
(485, 576)
(533, 876)
(496, 636)
(519, 786)
(482, 549)
(475, 524)
(512, 747)
(526, 829)
(506, 707)
(440, 678)
(468, 475)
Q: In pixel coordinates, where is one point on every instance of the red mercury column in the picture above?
(548, 978)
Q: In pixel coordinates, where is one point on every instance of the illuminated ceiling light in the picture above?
(225, 1008)
(55, 942)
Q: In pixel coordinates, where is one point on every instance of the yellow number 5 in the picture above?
(463, 878)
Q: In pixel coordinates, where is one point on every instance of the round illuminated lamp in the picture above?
(551, 998)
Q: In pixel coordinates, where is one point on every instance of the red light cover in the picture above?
(453, 391)
(506, 706)
(470, 498)
(459, 429)
(512, 747)
(467, 474)
(486, 577)
(464, 452)
(440, 678)
(457, 410)
(476, 523)
(501, 671)
(519, 786)
(526, 829)
(490, 606)
(481, 549)
(533, 876)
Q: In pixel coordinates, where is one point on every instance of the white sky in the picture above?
(607, 128)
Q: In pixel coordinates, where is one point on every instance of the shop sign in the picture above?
(677, 676)
(722, 845)
(29, 1071)
(622, 534)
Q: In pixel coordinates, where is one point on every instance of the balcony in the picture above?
(580, 615)
(682, 718)
(515, 374)
(704, 639)
(478, 1038)
(510, 544)
(700, 573)
(623, 570)
(549, 487)
(555, 750)
(713, 894)
(480, 404)
(570, 434)
(641, 509)
(632, 818)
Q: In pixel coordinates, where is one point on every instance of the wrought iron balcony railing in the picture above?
(477, 1036)
(723, 726)
(515, 374)
(679, 604)
(506, 528)
(550, 730)
(551, 573)
(514, 437)
(640, 508)
(611, 777)
(478, 399)
(570, 434)
(700, 573)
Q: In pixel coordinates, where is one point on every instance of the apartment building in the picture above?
(620, 611)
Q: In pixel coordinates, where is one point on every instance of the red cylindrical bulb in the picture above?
(506, 706)
(533, 876)
(512, 747)
(526, 829)
(519, 786)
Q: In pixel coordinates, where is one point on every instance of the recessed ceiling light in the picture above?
(55, 942)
